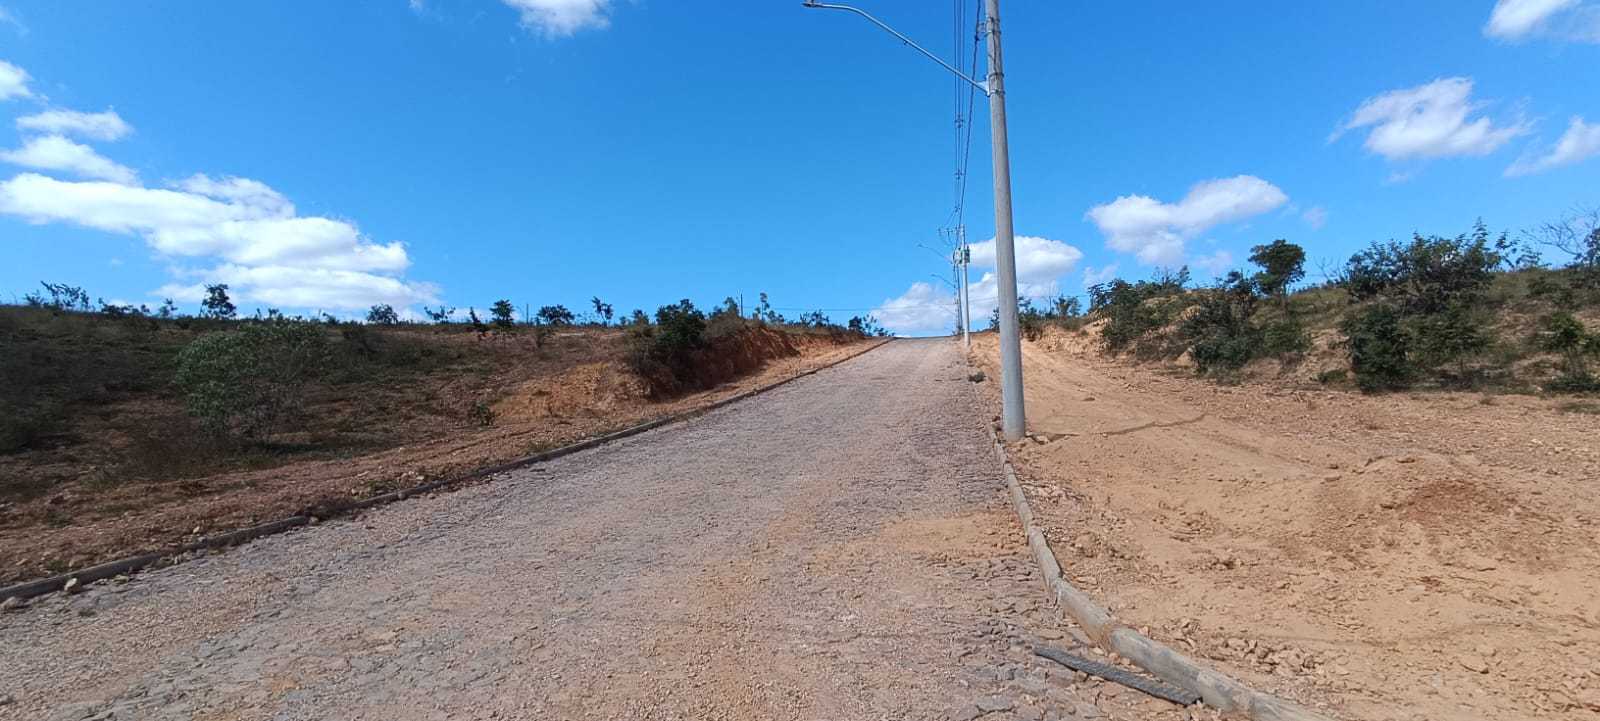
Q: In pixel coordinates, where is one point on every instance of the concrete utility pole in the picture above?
(959, 258)
(1012, 417)
(1012, 420)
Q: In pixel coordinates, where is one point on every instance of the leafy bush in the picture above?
(867, 326)
(602, 311)
(1284, 337)
(217, 304)
(383, 314)
(1132, 310)
(1379, 348)
(245, 382)
(555, 316)
(1419, 305)
(502, 314)
(62, 297)
(1282, 264)
(725, 320)
(1218, 330)
(1565, 334)
(663, 353)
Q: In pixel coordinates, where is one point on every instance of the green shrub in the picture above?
(555, 316)
(502, 314)
(1379, 348)
(725, 320)
(1218, 331)
(244, 383)
(1563, 333)
(1419, 306)
(1284, 337)
(1132, 310)
(383, 314)
(1282, 265)
(663, 353)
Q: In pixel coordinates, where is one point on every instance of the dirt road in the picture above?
(839, 548)
(1403, 556)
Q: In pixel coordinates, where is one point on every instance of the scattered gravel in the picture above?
(840, 548)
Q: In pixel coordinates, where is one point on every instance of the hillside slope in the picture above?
(114, 463)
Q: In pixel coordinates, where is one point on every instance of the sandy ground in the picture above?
(840, 548)
(536, 415)
(1398, 557)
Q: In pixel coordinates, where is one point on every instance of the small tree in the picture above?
(503, 314)
(62, 297)
(867, 326)
(602, 310)
(1379, 345)
(383, 314)
(440, 315)
(1565, 334)
(555, 316)
(244, 382)
(217, 304)
(1282, 265)
(168, 309)
(639, 318)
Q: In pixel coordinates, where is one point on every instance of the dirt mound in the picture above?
(1425, 556)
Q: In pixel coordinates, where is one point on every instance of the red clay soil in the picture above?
(79, 524)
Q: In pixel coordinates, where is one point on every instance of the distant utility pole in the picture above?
(1012, 416)
(965, 258)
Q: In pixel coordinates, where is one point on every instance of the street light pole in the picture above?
(1012, 416)
(1005, 253)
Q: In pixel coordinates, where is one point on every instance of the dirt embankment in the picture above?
(115, 480)
(1406, 556)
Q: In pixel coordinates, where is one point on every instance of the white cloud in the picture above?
(297, 287)
(53, 152)
(1039, 260)
(1580, 142)
(274, 255)
(13, 82)
(1156, 232)
(925, 309)
(1428, 121)
(1516, 20)
(921, 310)
(562, 17)
(95, 126)
(1316, 216)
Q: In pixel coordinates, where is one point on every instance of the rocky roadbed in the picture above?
(101, 524)
(841, 547)
(1399, 557)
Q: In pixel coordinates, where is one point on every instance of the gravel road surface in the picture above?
(839, 548)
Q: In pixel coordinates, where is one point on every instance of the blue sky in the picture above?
(328, 156)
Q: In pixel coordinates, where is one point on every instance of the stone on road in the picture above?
(834, 549)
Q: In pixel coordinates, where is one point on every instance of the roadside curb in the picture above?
(129, 564)
(1215, 689)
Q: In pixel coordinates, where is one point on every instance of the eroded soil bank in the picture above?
(1421, 556)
